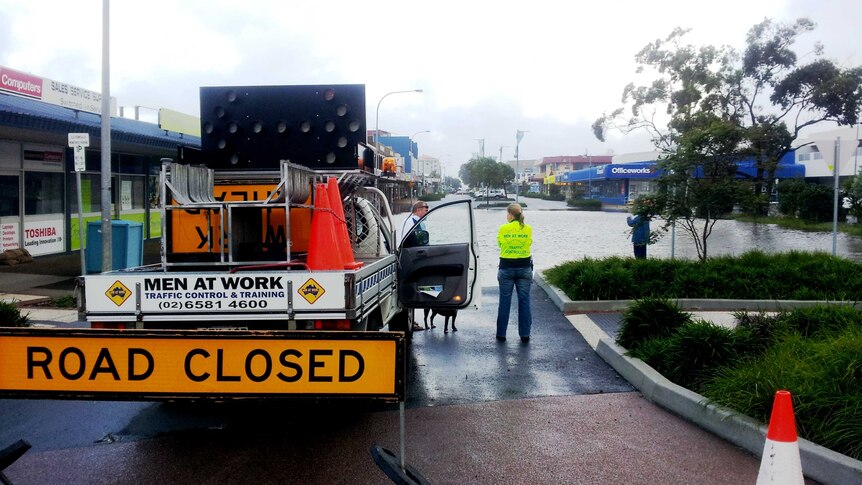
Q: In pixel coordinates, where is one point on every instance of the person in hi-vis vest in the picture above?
(515, 272)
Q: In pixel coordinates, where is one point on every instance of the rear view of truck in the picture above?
(279, 272)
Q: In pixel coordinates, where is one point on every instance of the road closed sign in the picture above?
(222, 364)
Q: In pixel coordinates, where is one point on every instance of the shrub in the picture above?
(650, 318)
(10, 316)
(755, 332)
(787, 276)
(696, 351)
(585, 204)
(822, 375)
(821, 320)
(431, 197)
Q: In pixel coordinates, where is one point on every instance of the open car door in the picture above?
(438, 259)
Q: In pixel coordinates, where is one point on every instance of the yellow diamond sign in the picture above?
(118, 293)
(311, 290)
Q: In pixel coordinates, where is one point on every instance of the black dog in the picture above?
(446, 313)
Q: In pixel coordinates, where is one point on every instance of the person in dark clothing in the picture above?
(640, 234)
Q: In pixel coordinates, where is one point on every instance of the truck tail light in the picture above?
(111, 325)
(332, 324)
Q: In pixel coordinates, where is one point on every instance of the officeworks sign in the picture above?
(640, 170)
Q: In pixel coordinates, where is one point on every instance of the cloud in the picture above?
(487, 68)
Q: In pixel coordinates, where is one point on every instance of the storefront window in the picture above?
(43, 193)
(9, 196)
(131, 193)
(91, 193)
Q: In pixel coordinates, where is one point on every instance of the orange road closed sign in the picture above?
(219, 364)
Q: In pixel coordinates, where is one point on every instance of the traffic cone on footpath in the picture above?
(781, 462)
(341, 225)
(323, 251)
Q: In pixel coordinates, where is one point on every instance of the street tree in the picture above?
(486, 172)
(452, 182)
(764, 92)
(699, 184)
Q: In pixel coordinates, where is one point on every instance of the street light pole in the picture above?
(835, 202)
(410, 154)
(377, 126)
(519, 135)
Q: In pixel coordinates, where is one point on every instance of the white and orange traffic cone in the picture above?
(781, 462)
(323, 253)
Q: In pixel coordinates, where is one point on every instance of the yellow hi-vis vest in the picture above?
(514, 240)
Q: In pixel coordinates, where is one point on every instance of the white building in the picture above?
(818, 153)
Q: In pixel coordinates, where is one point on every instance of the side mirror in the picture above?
(419, 237)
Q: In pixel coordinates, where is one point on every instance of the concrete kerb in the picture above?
(819, 463)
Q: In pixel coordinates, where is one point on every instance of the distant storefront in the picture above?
(38, 190)
(619, 183)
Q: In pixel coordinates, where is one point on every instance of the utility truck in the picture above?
(281, 273)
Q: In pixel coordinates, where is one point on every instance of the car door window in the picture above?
(438, 261)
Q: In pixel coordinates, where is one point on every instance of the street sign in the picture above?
(79, 139)
(80, 161)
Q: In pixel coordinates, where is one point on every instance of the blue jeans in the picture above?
(520, 278)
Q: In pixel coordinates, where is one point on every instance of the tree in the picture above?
(761, 99)
(452, 182)
(699, 183)
(486, 172)
(808, 201)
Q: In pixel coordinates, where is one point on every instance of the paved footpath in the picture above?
(602, 438)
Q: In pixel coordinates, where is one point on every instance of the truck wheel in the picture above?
(401, 323)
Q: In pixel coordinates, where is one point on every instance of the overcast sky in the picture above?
(487, 69)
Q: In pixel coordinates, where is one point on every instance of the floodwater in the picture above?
(561, 235)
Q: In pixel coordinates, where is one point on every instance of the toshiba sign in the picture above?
(20, 83)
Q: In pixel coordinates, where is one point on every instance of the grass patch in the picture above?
(754, 275)
(67, 301)
(815, 353)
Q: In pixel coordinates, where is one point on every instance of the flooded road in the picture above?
(561, 235)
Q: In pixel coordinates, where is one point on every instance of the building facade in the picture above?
(38, 189)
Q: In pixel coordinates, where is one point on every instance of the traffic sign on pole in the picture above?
(79, 139)
(80, 161)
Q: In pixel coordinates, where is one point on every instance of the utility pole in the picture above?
(519, 135)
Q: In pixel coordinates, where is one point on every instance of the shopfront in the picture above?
(39, 198)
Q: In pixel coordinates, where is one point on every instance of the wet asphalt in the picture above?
(470, 365)
(478, 411)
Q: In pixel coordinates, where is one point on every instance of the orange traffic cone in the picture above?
(323, 251)
(781, 462)
(341, 225)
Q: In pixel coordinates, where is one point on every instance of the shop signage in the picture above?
(48, 91)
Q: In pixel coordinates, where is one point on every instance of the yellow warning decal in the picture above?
(311, 290)
(118, 293)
